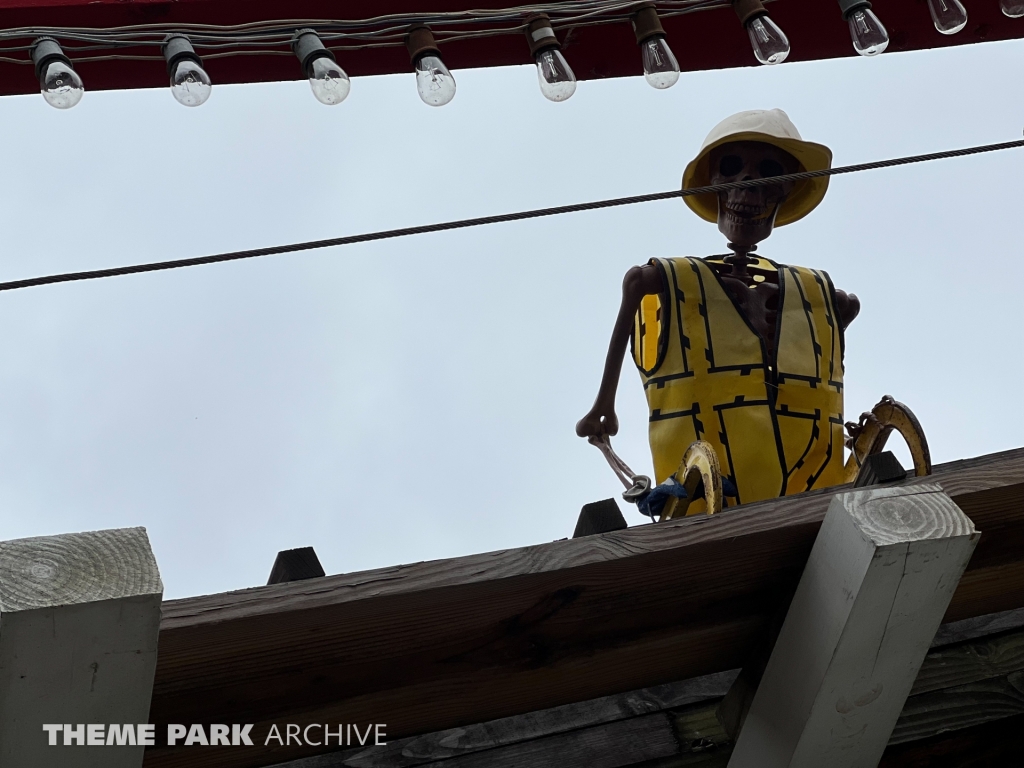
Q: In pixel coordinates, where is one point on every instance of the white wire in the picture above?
(270, 37)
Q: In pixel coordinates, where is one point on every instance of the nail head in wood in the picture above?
(295, 565)
(599, 517)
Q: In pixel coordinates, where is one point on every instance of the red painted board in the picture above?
(710, 39)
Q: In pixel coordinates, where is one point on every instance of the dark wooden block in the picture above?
(879, 468)
(599, 517)
(295, 565)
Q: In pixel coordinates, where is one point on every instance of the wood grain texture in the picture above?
(960, 707)
(79, 621)
(989, 665)
(970, 662)
(431, 646)
(904, 515)
(996, 743)
(480, 737)
(879, 578)
(51, 571)
(978, 626)
(614, 745)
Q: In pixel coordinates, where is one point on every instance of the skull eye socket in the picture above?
(730, 165)
(769, 168)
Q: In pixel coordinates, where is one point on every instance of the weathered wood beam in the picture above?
(976, 676)
(872, 595)
(996, 743)
(505, 732)
(978, 626)
(434, 645)
(79, 618)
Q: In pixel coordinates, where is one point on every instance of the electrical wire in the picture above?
(498, 219)
(273, 37)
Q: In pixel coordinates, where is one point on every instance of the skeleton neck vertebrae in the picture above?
(739, 260)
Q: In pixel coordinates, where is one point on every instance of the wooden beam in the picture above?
(435, 645)
(872, 595)
(978, 626)
(979, 692)
(996, 743)
(488, 739)
(79, 618)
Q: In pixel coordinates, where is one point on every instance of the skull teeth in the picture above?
(747, 214)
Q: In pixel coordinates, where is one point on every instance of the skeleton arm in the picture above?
(638, 282)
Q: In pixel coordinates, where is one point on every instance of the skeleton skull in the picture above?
(747, 216)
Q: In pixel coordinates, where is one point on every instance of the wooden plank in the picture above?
(79, 618)
(975, 695)
(960, 707)
(970, 662)
(480, 737)
(876, 585)
(979, 626)
(614, 745)
(996, 743)
(431, 646)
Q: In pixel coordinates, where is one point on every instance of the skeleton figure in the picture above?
(738, 351)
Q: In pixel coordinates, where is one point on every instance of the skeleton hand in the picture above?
(598, 422)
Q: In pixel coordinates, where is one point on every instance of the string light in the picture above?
(949, 16)
(434, 82)
(59, 83)
(868, 35)
(660, 66)
(770, 44)
(1012, 8)
(557, 80)
(190, 85)
(328, 81)
(315, 42)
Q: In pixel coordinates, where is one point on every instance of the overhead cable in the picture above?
(498, 219)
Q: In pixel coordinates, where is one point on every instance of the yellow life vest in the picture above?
(776, 424)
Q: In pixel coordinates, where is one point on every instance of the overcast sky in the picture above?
(416, 398)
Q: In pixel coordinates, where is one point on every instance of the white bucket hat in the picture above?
(772, 126)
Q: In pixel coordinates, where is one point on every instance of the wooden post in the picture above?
(79, 620)
(879, 578)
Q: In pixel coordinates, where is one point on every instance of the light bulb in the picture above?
(329, 82)
(949, 15)
(770, 45)
(557, 81)
(61, 86)
(433, 80)
(660, 66)
(868, 34)
(190, 84)
(1012, 8)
